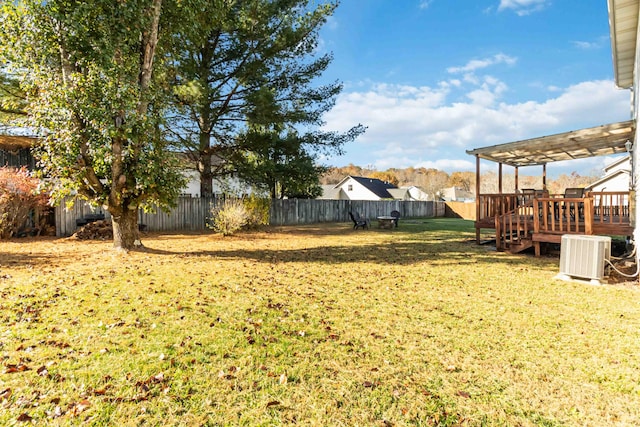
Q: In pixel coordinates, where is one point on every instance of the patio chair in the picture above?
(358, 221)
(575, 193)
(396, 215)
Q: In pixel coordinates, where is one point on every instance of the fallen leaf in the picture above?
(57, 412)
(24, 418)
(283, 379)
(462, 393)
(5, 394)
(16, 368)
(81, 406)
(273, 403)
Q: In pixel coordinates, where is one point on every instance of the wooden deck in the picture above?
(522, 222)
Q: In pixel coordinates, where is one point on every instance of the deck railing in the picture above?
(611, 207)
(561, 215)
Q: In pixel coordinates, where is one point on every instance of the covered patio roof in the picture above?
(578, 144)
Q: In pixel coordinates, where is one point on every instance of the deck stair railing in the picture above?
(514, 227)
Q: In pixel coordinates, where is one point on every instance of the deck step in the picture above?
(522, 245)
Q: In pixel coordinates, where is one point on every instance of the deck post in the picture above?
(500, 178)
(588, 215)
(544, 176)
(477, 197)
(516, 179)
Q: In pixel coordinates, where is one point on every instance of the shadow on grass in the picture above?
(400, 253)
(442, 240)
(10, 259)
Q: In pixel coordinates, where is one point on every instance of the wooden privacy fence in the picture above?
(191, 213)
(311, 211)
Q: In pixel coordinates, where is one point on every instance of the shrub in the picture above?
(19, 197)
(237, 214)
(258, 210)
(228, 218)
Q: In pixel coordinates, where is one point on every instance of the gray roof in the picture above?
(376, 186)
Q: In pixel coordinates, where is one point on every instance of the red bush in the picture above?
(19, 198)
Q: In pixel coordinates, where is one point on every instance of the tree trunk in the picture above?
(126, 235)
(206, 177)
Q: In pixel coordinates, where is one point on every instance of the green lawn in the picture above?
(316, 325)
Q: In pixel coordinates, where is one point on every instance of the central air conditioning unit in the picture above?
(584, 257)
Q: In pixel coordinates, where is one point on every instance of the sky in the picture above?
(433, 78)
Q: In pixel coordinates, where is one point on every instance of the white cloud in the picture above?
(476, 64)
(448, 164)
(585, 45)
(523, 7)
(423, 126)
(425, 4)
(588, 45)
(332, 22)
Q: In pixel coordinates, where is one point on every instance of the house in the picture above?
(230, 185)
(457, 194)
(359, 188)
(623, 27)
(616, 177)
(411, 193)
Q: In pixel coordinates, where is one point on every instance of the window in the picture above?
(349, 187)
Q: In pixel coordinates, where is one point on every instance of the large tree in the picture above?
(88, 70)
(251, 61)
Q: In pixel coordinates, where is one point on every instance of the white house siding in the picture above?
(357, 192)
(617, 182)
(635, 154)
(230, 185)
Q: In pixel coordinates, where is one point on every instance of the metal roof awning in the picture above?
(602, 140)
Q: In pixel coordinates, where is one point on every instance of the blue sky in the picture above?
(433, 78)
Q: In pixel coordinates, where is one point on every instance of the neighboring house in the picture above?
(329, 192)
(616, 177)
(359, 188)
(412, 193)
(457, 194)
(230, 185)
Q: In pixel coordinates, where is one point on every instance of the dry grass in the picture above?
(318, 325)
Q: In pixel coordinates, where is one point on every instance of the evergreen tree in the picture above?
(250, 61)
